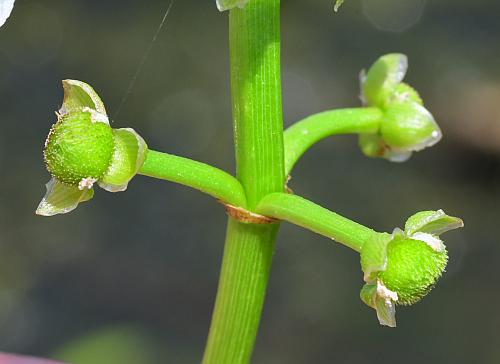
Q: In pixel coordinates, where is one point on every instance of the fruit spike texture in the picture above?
(413, 268)
(78, 148)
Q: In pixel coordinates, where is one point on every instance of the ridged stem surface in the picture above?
(254, 34)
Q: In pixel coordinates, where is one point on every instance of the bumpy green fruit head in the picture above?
(79, 146)
(413, 267)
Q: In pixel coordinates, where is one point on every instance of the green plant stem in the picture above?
(254, 36)
(243, 280)
(309, 215)
(200, 176)
(305, 133)
(256, 92)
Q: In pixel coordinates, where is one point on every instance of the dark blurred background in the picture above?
(131, 277)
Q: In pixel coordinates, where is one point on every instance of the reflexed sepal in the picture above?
(223, 5)
(381, 80)
(432, 222)
(61, 198)
(401, 268)
(374, 256)
(79, 95)
(337, 5)
(383, 300)
(129, 154)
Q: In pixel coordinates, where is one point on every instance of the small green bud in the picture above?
(408, 126)
(78, 147)
(413, 267)
(82, 149)
(401, 268)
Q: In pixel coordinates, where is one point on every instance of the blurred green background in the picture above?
(131, 277)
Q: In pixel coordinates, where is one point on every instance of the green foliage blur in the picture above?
(135, 274)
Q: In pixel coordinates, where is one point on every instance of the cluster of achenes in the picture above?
(399, 268)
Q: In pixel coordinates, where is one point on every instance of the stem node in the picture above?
(247, 217)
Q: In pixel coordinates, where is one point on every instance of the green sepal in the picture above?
(373, 146)
(61, 198)
(128, 157)
(374, 256)
(374, 260)
(223, 5)
(382, 78)
(386, 311)
(408, 126)
(79, 95)
(432, 222)
(338, 4)
(385, 308)
(367, 293)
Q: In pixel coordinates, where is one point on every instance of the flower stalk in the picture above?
(302, 135)
(197, 175)
(311, 216)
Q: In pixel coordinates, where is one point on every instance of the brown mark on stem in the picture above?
(245, 216)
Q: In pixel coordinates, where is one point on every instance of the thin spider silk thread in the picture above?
(143, 60)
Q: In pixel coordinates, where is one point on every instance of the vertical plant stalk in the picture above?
(254, 35)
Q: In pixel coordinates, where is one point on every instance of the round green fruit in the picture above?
(78, 147)
(413, 267)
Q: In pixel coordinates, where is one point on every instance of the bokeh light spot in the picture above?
(393, 15)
